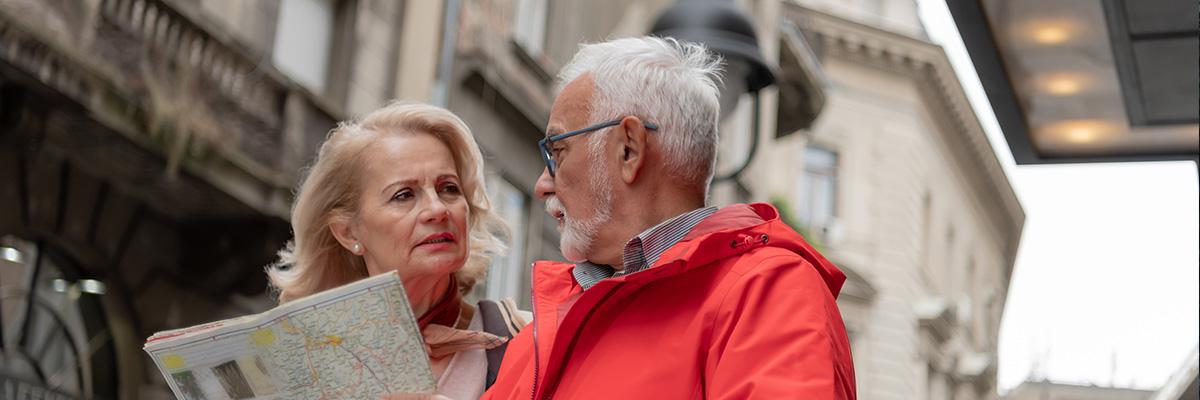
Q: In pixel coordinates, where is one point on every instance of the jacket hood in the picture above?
(739, 228)
(733, 230)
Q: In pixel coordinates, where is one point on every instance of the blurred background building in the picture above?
(149, 149)
(898, 184)
(1182, 385)
(1044, 390)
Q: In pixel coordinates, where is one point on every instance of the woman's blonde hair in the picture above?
(314, 260)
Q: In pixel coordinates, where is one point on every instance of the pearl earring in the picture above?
(356, 248)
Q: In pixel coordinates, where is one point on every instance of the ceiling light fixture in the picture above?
(1052, 32)
(11, 255)
(1063, 84)
(1081, 131)
(92, 286)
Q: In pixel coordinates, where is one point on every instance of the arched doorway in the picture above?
(56, 334)
(102, 248)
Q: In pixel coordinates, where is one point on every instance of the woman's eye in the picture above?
(450, 188)
(402, 195)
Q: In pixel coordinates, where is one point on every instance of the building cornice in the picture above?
(959, 127)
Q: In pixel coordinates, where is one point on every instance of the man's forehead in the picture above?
(572, 107)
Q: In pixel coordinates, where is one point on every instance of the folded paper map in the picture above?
(357, 341)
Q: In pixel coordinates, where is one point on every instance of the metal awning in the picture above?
(1086, 80)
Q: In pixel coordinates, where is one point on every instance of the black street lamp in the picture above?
(727, 30)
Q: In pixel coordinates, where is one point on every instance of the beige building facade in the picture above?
(897, 183)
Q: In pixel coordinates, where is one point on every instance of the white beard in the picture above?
(578, 236)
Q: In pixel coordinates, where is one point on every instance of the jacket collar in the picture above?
(733, 230)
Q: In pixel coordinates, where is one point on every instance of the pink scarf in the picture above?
(444, 327)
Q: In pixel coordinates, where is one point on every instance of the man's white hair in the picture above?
(672, 84)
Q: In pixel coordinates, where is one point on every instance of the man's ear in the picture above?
(633, 148)
(343, 231)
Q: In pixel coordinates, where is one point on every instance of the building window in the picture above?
(817, 204)
(927, 273)
(529, 25)
(947, 269)
(303, 39)
(969, 297)
(991, 317)
(507, 276)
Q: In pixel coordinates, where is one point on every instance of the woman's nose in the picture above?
(435, 210)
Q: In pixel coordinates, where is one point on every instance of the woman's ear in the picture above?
(343, 231)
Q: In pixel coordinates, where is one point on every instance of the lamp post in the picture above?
(727, 30)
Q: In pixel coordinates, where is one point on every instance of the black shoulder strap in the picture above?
(497, 323)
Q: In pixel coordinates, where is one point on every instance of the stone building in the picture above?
(148, 150)
(897, 183)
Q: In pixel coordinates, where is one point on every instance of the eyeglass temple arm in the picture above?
(555, 138)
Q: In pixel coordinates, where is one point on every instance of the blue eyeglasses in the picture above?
(548, 156)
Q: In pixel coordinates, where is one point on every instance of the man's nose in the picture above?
(544, 187)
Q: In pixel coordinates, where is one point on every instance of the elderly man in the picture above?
(666, 298)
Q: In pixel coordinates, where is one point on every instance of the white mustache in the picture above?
(555, 207)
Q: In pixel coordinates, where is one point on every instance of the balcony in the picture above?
(936, 317)
(191, 108)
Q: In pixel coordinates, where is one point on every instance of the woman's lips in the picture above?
(437, 241)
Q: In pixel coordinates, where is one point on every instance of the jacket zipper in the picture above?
(537, 358)
(554, 385)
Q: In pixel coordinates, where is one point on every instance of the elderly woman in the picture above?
(402, 190)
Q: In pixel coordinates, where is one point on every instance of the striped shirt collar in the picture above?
(643, 250)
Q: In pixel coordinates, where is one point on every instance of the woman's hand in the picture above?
(413, 396)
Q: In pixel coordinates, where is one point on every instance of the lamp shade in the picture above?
(723, 28)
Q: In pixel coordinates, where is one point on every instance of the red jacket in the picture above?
(741, 308)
